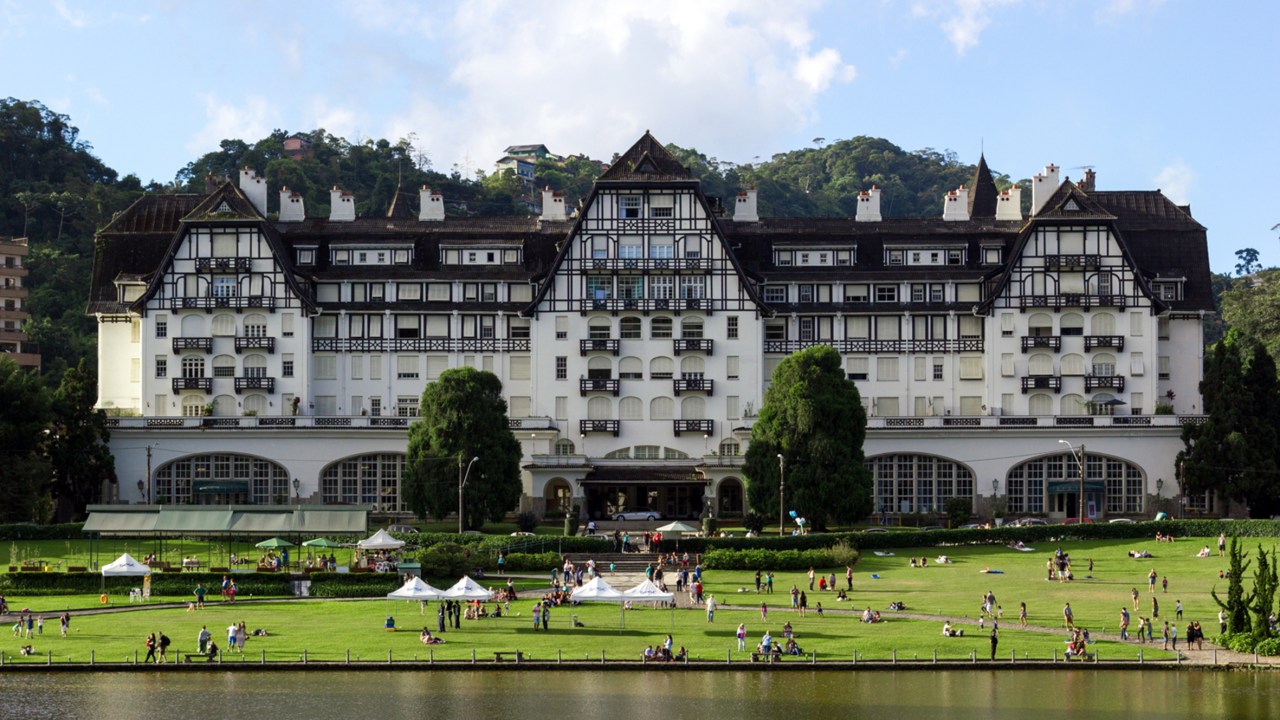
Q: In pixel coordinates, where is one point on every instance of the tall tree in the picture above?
(463, 417)
(813, 417)
(77, 445)
(1237, 603)
(1253, 308)
(24, 417)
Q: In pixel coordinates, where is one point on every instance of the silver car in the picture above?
(637, 515)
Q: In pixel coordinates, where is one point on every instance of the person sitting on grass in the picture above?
(793, 648)
(428, 639)
(648, 655)
(682, 655)
(948, 631)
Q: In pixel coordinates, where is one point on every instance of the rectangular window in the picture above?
(806, 293)
(438, 292)
(162, 367)
(855, 293)
(562, 367)
(970, 327)
(936, 293)
(408, 291)
(375, 367)
(731, 367)
(775, 293)
(306, 257)
(1135, 324)
(858, 368)
(562, 407)
(731, 407)
(407, 405)
(1006, 324)
(357, 367)
(520, 406)
(436, 364)
(775, 330)
(1006, 364)
(920, 367)
(661, 287)
(971, 368)
(326, 367)
(1164, 362)
(731, 327)
(406, 367)
(970, 404)
(286, 324)
(286, 365)
(629, 206)
(937, 368)
(162, 326)
(991, 256)
(896, 257)
(135, 327)
(887, 369)
(1136, 366)
(223, 287)
(519, 367)
(1162, 328)
(886, 293)
(375, 406)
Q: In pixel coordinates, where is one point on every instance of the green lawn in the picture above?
(327, 630)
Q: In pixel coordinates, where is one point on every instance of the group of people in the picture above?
(29, 624)
(664, 652)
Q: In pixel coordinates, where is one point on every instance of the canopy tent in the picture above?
(678, 527)
(416, 589)
(274, 542)
(467, 589)
(597, 590)
(380, 540)
(321, 543)
(125, 566)
(648, 592)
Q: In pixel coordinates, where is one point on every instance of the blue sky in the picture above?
(1168, 94)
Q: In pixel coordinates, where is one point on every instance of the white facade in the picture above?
(636, 341)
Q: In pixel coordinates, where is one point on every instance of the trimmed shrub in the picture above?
(353, 585)
(26, 531)
(538, 562)
(173, 584)
(527, 521)
(769, 559)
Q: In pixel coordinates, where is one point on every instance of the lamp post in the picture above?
(462, 482)
(1079, 458)
(1159, 493)
(995, 497)
(297, 493)
(782, 502)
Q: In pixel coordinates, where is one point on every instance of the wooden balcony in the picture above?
(599, 426)
(212, 303)
(192, 343)
(1103, 341)
(687, 345)
(1042, 382)
(694, 426)
(693, 385)
(1098, 382)
(255, 343)
(255, 383)
(590, 385)
(224, 265)
(609, 345)
(1072, 261)
(203, 384)
(1072, 300)
(1049, 342)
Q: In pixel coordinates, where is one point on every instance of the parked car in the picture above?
(970, 526)
(637, 515)
(1024, 522)
(402, 529)
(1121, 520)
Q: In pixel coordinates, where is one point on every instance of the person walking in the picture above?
(1022, 614)
(1134, 594)
(1222, 544)
(1164, 583)
(742, 637)
(764, 612)
(1164, 634)
(768, 578)
(546, 616)
(1151, 580)
(200, 592)
(1124, 623)
(1067, 618)
(1177, 610)
(164, 647)
(65, 621)
(804, 603)
(151, 648)
(711, 608)
(758, 574)
(848, 577)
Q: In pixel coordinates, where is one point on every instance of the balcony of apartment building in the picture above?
(689, 345)
(693, 384)
(600, 426)
(1042, 382)
(1099, 382)
(211, 303)
(1046, 342)
(255, 343)
(223, 265)
(203, 384)
(192, 343)
(960, 423)
(253, 382)
(1072, 300)
(1072, 261)
(1092, 342)
(604, 385)
(704, 427)
(609, 345)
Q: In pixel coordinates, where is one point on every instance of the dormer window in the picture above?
(306, 257)
(629, 206)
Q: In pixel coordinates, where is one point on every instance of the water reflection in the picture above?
(742, 695)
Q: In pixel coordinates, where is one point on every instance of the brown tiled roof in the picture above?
(1146, 209)
(1058, 206)
(152, 214)
(646, 160)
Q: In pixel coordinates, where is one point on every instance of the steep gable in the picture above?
(647, 159)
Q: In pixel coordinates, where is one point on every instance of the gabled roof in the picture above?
(1069, 202)
(152, 214)
(226, 202)
(983, 195)
(402, 206)
(647, 159)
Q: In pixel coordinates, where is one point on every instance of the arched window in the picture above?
(693, 407)
(255, 325)
(372, 479)
(1040, 404)
(631, 368)
(599, 328)
(1072, 324)
(730, 447)
(255, 404)
(629, 328)
(730, 495)
(661, 368)
(1073, 364)
(662, 408)
(660, 328)
(631, 408)
(909, 483)
(691, 328)
(193, 405)
(599, 368)
(565, 446)
(1104, 364)
(224, 325)
(691, 366)
(619, 454)
(224, 366)
(1040, 364)
(255, 366)
(222, 479)
(1040, 325)
(224, 406)
(1073, 404)
(600, 408)
(1051, 483)
(559, 496)
(192, 326)
(1103, 324)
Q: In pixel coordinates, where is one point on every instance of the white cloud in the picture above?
(727, 77)
(962, 20)
(1176, 181)
(896, 60)
(336, 120)
(72, 18)
(250, 121)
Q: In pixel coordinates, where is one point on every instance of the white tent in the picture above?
(125, 565)
(466, 589)
(678, 527)
(380, 540)
(597, 590)
(416, 589)
(648, 592)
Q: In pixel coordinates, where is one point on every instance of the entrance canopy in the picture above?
(1071, 487)
(261, 520)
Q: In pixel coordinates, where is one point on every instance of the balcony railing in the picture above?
(1072, 300)
(193, 383)
(255, 383)
(256, 343)
(420, 345)
(1042, 382)
(223, 264)
(1065, 261)
(599, 426)
(192, 343)
(609, 345)
(1097, 382)
(693, 385)
(1052, 342)
(878, 346)
(209, 303)
(685, 345)
(694, 426)
(1103, 341)
(644, 304)
(589, 385)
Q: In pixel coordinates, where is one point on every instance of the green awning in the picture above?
(177, 519)
(1072, 487)
(262, 520)
(121, 522)
(219, 487)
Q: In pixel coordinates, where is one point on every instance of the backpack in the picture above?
(164, 640)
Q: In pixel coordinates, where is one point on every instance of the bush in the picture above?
(446, 560)
(353, 585)
(27, 531)
(1269, 647)
(537, 562)
(173, 584)
(770, 559)
(958, 510)
(527, 521)
(753, 522)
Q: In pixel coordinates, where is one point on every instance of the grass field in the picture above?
(328, 630)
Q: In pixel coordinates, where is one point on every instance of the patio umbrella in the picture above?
(321, 543)
(678, 527)
(274, 542)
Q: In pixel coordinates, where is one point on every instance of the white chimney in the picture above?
(744, 208)
(1042, 186)
(1009, 204)
(955, 205)
(291, 209)
(342, 205)
(431, 205)
(254, 187)
(868, 205)
(552, 205)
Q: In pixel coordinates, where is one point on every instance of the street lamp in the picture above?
(782, 490)
(1159, 494)
(142, 492)
(462, 482)
(296, 485)
(1079, 458)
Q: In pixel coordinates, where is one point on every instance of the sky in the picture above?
(1170, 94)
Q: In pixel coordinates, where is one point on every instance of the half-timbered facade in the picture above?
(635, 340)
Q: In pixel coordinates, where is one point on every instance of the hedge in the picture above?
(538, 562)
(171, 584)
(353, 585)
(758, 559)
(28, 531)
